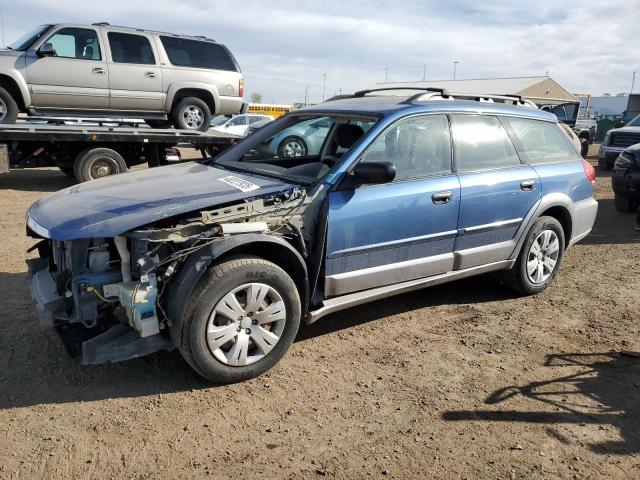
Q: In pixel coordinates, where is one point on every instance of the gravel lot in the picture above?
(465, 380)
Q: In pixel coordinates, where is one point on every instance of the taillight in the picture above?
(241, 88)
(589, 171)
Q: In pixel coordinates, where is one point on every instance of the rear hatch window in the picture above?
(183, 52)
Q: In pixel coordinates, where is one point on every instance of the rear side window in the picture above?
(542, 142)
(183, 52)
(482, 143)
(418, 147)
(127, 48)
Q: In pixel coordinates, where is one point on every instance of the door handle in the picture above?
(528, 185)
(98, 70)
(150, 74)
(441, 198)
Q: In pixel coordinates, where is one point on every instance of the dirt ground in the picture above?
(465, 380)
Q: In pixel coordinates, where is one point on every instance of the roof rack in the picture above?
(362, 93)
(517, 100)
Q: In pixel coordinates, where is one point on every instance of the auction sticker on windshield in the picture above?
(239, 183)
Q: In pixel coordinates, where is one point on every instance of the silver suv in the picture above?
(101, 70)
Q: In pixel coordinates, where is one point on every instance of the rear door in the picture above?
(75, 77)
(135, 76)
(385, 234)
(497, 190)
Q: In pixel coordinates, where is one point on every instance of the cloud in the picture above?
(285, 46)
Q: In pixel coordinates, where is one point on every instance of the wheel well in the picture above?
(203, 95)
(284, 258)
(564, 217)
(10, 85)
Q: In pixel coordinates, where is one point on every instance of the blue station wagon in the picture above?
(224, 258)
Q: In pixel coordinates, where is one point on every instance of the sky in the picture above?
(287, 46)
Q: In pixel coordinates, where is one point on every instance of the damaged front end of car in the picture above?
(127, 292)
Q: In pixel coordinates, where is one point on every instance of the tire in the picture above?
(584, 147)
(96, 163)
(8, 107)
(191, 113)
(625, 204)
(221, 280)
(518, 277)
(159, 123)
(67, 170)
(291, 147)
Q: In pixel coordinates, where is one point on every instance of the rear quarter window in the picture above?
(184, 52)
(542, 142)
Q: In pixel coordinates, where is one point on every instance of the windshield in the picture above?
(219, 120)
(25, 41)
(635, 122)
(303, 147)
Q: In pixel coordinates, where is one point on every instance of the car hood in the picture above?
(625, 129)
(114, 205)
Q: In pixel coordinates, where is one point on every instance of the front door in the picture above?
(76, 76)
(497, 190)
(135, 76)
(385, 234)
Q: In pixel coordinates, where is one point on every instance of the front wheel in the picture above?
(191, 114)
(540, 257)
(291, 147)
(8, 107)
(240, 320)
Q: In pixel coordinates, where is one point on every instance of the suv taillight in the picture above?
(589, 171)
(241, 88)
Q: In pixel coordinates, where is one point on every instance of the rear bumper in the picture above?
(584, 216)
(626, 183)
(229, 105)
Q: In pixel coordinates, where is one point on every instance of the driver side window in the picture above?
(418, 146)
(80, 43)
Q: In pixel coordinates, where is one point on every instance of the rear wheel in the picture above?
(8, 107)
(625, 204)
(191, 113)
(540, 257)
(97, 163)
(240, 320)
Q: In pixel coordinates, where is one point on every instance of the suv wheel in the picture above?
(240, 320)
(8, 107)
(540, 257)
(97, 163)
(191, 114)
(625, 204)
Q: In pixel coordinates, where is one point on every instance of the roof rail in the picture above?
(362, 93)
(517, 100)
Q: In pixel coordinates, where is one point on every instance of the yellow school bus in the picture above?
(274, 110)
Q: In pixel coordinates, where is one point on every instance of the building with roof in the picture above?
(541, 90)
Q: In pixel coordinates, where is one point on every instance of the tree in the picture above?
(255, 97)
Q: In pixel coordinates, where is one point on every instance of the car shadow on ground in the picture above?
(35, 367)
(594, 389)
(35, 180)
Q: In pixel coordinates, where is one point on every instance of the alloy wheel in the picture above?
(3, 109)
(193, 117)
(543, 257)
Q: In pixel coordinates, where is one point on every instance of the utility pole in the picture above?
(455, 68)
(424, 72)
(633, 82)
(324, 84)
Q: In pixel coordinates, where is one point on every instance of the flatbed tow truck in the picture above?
(86, 152)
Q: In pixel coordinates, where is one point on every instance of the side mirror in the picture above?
(46, 50)
(374, 172)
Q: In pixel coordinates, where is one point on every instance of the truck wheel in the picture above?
(625, 204)
(539, 260)
(8, 107)
(159, 123)
(191, 113)
(584, 147)
(97, 163)
(240, 320)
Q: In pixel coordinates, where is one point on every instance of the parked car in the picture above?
(616, 140)
(102, 70)
(254, 127)
(625, 179)
(239, 124)
(224, 258)
(586, 129)
(303, 140)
